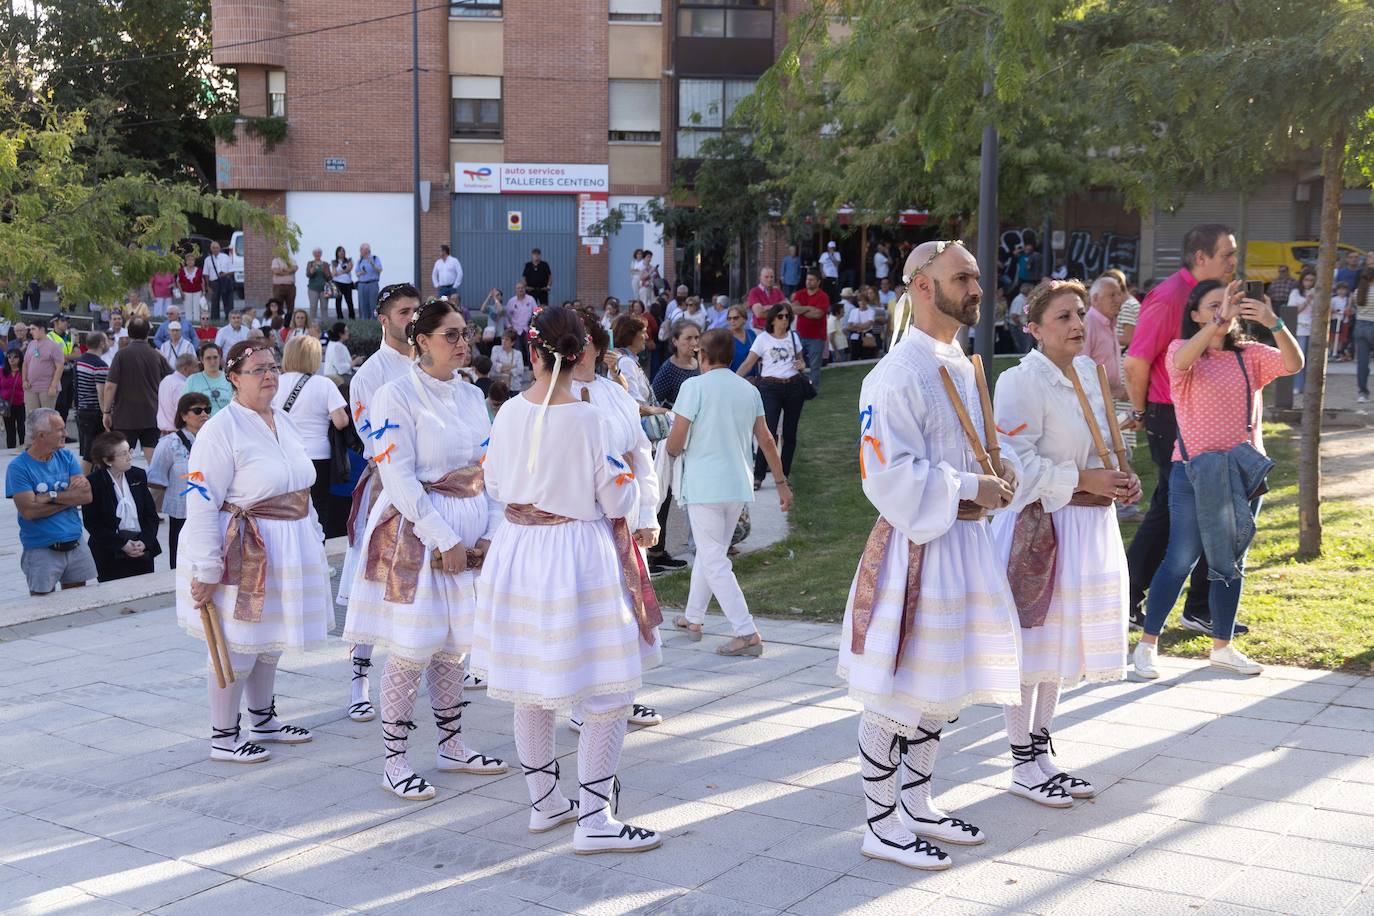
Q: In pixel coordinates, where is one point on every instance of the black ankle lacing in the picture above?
(1044, 746)
(405, 726)
(360, 666)
(641, 711)
(246, 749)
(555, 773)
(444, 721)
(899, 745)
(1022, 753)
(923, 778)
(267, 715)
(1025, 753)
(612, 799)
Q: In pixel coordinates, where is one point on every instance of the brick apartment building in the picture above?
(536, 118)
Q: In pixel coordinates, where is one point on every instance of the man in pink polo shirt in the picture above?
(1209, 253)
(763, 297)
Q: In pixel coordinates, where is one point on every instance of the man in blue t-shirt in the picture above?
(46, 485)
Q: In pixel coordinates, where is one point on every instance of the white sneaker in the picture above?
(613, 836)
(1233, 659)
(1363, 399)
(1144, 659)
(544, 821)
(917, 854)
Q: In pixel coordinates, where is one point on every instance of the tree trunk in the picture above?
(1314, 389)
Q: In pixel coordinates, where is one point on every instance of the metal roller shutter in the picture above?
(493, 255)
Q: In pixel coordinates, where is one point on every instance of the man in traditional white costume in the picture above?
(930, 627)
(395, 305)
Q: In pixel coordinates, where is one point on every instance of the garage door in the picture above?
(493, 255)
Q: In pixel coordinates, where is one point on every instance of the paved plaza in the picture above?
(1219, 795)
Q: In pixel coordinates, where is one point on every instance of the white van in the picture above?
(236, 248)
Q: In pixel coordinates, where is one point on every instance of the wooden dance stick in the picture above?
(989, 423)
(214, 639)
(1118, 442)
(979, 454)
(1102, 452)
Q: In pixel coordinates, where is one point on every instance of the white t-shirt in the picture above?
(1297, 300)
(859, 316)
(776, 355)
(830, 264)
(1017, 309)
(337, 360)
(310, 412)
(881, 265)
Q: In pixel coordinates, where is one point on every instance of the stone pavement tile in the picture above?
(770, 882)
(1130, 795)
(1253, 814)
(130, 876)
(1354, 717)
(218, 844)
(798, 693)
(24, 653)
(685, 861)
(245, 896)
(700, 904)
(1175, 771)
(1311, 692)
(1350, 798)
(1334, 740)
(112, 816)
(861, 897)
(739, 830)
(1284, 785)
(348, 879)
(1287, 892)
(1363, 905)
(689, 782)
(467, 811)
(122, 736)
(1115, 734)
(25, 791)
(1220, 750)
(1314, 676)
(821, 847)
(1100, 898)
(674, 699)
(1186, 874)
(822, 675)
(433, 850)
(514, 830)
(1069, 855)
(1151, 716)
(1254, 731)
(1014, 887)
(1109, 823)
(656, 744)
(22, 894)
(1361, 697)
(611, 891)
(465, 899)
(795, 803)
(1216, 841)
(1325, 860)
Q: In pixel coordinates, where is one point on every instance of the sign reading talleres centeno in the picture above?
(530, 178)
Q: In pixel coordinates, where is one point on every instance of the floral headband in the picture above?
(232, 365)
(544, 345)
(396, 291)
(418, 313)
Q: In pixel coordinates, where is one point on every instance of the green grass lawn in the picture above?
(1317, 614)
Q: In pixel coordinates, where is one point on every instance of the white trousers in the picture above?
(713, 525)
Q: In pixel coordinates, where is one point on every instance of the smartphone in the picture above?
(1254, 289)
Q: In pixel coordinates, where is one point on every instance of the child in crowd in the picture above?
(1340, 322)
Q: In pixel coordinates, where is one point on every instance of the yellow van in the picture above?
(1262, 259)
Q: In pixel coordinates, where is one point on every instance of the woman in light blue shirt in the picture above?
(719, 417)
(210, 380)
(167, 470)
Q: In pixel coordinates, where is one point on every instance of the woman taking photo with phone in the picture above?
(1217, 377)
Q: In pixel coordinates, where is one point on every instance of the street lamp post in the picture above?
(415, 125)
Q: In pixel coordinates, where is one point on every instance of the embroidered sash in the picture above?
(355, 508)
(394, 551)
(245, 554)
(880, 541)
(1035, 557)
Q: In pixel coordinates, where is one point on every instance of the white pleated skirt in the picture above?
(296, 610)
(554, 624)
(354, 553)
(440, 620)
(1084, 634)
(963, 649)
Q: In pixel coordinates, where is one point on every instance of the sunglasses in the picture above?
(198, 411)
(940, 248)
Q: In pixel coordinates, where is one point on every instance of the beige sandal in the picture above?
(741, 645)
(693, 629)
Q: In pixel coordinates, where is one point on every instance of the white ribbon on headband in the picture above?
(538, 433)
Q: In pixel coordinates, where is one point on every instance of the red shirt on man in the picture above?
(1161, 316)
(812, 328)
(765, 297)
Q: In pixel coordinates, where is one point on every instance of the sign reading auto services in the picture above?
(529, 178)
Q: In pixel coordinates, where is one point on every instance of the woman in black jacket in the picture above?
(121, 517)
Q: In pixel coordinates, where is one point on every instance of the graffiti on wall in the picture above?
(1085, 256)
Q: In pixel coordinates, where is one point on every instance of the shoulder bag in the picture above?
(808, 389)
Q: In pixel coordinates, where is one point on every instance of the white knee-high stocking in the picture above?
(920, 767)
(362, 661)
(400, 684)
(1018, 718)
(445, 680)
(879, 761)
(262, 705)
(534, 742)
(598, 758)
(226, 701)
(1046, 699)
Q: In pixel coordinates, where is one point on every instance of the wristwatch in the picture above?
(52, 497)
(1278, 325)
(1137, 415)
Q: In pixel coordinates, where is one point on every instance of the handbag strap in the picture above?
(1249, 405)
(295, 393)
(186, 443)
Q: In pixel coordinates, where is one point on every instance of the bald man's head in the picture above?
(944, 276)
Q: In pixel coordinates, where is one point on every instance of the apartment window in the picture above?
(725, 19)
(636, 11)
(276, 93)
(634, 111)
(476, 111)
(704, 108)
(474, 9)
